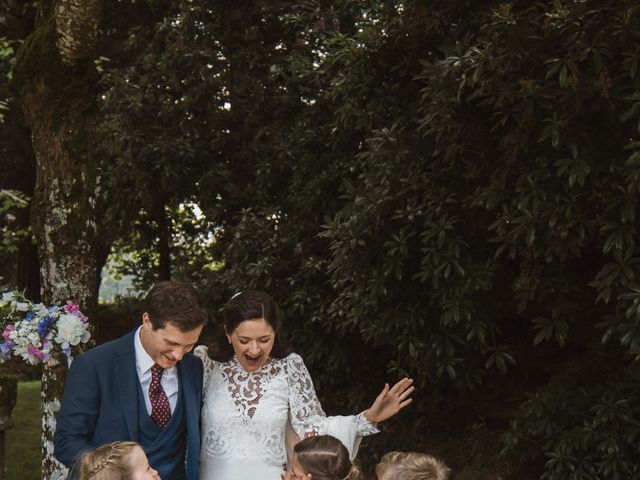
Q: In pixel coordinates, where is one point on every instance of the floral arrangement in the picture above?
(34, 332)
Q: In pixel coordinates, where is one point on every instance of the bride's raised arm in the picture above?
(306, 414)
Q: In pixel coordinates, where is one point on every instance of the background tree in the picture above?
(158, 92)
(444, 190)
(54, 80)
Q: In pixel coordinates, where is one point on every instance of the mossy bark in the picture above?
(55, 80)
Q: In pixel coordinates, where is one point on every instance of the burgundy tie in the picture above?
(160, 409)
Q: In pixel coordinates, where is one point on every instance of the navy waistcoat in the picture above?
(164, 448)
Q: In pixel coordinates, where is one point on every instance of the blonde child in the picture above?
(411, 466)
(117, 461)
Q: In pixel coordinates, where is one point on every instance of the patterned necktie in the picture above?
(160, 409)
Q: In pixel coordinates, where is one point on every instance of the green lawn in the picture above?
(23, 440)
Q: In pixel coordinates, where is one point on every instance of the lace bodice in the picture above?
(245, 415)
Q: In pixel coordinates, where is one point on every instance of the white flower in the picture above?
(40, 310)
(71, 331)
(7, 297)
(22, 307)
(33, 338)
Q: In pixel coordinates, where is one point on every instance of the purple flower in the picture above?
(67, 351)
(44, 325)
(29, 315)
(36, 353)
(6, 346)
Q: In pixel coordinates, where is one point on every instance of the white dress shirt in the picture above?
(169, 381)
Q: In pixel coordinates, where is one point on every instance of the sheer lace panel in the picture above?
(247, 388)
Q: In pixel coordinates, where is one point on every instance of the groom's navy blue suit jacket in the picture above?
(101, 403)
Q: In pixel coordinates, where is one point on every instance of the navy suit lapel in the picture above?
(192, 412)
(128, 383)
(191, 403)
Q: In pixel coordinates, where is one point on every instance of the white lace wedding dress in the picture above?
(246, 416)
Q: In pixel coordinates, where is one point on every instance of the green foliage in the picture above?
(155, 135)
(584, 425)
(472, 204)
(10, 202)
(7, 53)
(447, 192)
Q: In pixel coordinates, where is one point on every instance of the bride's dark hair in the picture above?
(248, 305)
(325, 458)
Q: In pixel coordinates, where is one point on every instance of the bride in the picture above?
(259, 400)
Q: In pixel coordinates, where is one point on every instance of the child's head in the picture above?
(117, 461)
(411, 466)
(325, 458)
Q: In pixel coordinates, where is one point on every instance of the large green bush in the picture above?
(446, 190)
(470, 219)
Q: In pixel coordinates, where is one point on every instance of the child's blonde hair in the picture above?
(411, 466)
(108, 462)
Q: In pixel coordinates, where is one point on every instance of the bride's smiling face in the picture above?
(252, 341)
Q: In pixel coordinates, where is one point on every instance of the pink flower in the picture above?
(71, 307)
(7, 331)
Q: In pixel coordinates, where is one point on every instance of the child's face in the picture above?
(140, 468)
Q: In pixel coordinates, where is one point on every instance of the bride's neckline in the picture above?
(234, 362)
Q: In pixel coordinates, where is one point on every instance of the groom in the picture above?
(144, 387)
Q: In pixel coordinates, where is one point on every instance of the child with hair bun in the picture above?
(117, 461)
(411, 466)
(321, 457)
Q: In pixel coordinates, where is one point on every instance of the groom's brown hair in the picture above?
(175, 302)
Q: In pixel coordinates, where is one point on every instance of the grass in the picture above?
(22, 455)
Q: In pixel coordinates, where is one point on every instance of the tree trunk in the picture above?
(28, 267)
(54, 79)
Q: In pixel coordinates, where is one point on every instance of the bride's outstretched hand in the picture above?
(390, 401)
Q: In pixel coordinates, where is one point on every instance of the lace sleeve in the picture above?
(202, 353)
(305, 411)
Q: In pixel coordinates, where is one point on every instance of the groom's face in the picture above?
(167, 345)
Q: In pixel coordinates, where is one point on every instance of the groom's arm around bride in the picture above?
(144, 387)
